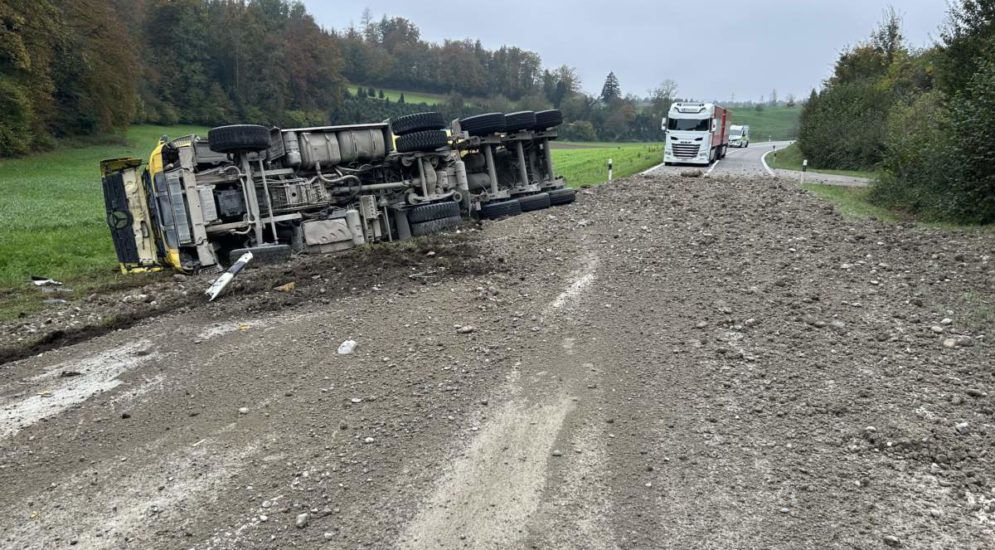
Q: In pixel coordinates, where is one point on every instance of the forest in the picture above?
(920, 117)
(71, 68)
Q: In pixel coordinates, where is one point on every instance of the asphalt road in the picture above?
(667, 363)
(738, 162)
(749, 162)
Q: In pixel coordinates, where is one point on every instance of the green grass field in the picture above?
(790, 158)
(777, 123)
(587, 163)
(409, 97)
(51, 207)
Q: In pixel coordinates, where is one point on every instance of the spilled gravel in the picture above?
(667, 363)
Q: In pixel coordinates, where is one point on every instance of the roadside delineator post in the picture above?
(804, 169)
(610, 169)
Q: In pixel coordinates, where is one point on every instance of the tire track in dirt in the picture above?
(493, 489)
(490, 495)
(69, 383)
(138, 497)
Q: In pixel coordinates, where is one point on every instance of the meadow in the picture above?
(584, 164)
(409, 97)
(52, 209)
(776, 123)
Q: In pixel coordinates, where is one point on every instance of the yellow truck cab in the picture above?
(148, 211)
(128, 216)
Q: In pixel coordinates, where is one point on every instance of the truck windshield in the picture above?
(689, 124)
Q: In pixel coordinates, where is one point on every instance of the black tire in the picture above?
(429, 140)
(535, 202)
(435, 211)
(434, 226)
(418, 122)
(483, 125)
(522, 120)
(548, 119)
(500, 209)
(238, 138)
(559, 197)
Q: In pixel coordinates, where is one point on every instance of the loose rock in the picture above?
(302, 520)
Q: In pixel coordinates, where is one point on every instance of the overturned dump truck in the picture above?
(200, 204)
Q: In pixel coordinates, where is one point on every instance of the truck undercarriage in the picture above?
(202, 203)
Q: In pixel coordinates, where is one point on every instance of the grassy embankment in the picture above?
(52, 211)
(791, 157)
(852, 201)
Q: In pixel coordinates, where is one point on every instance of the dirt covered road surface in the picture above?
(667, 363)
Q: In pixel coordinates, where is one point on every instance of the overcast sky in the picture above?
(721, 49)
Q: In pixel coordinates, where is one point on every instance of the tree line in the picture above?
(91, 67)
(921, 117)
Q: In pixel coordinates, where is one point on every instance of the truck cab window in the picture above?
(689, 125)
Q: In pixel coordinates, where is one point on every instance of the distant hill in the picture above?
(395, 95)
(776, 123)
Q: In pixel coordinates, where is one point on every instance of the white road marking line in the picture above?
(651, 170)
(763, 160)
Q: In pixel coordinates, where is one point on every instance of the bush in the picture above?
(939, 159)
(973, 114)
(917, 165)
(844, 126)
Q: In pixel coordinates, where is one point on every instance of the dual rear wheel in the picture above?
(529, 203)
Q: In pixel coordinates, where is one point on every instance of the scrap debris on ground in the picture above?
(670, 362)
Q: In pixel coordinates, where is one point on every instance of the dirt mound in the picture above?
(711, 362)
(319, 277)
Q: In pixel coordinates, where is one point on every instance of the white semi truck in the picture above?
(696, 133)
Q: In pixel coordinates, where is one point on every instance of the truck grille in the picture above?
(686, 151)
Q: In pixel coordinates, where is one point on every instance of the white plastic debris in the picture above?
(347, 347)
(227, 277)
